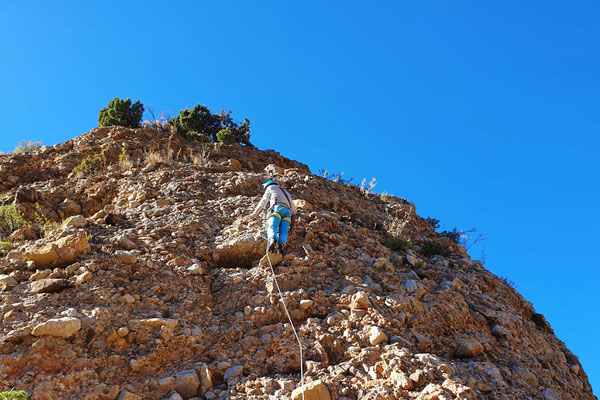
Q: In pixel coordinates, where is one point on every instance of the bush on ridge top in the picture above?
(192, 123)
(122, 113)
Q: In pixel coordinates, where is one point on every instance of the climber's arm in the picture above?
(261, 205)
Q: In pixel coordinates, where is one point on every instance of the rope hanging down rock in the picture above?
(291, 322)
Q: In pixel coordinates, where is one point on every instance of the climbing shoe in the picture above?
(272, 246)
(281, 249)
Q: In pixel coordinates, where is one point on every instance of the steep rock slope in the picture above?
(154, 291)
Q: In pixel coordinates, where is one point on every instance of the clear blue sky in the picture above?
(484, 114)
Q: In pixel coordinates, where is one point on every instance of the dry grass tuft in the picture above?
(154, 157)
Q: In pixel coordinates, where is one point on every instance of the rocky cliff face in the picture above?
(154, 291)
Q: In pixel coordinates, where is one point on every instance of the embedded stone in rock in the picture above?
(65, 250)
(410, 285)
(382, 263)
(195, 269)
(305, 304)
(125, 257)
(85, 277)
(232, 372)
(49, 285)
(468, 348)
(125, 243)
(500, 331)
(167, 383)
(315, 390)
(548, 394)
(303, 204)
(12, 179)
(69, 208)
(273, 169)
(205, 379)
(401, 380)
(235, 164)
(58, 327)
(157, 322)
(418, 377)
(78, 221)
(27, 195)
(377, 336)
(188, 383)
(412, 260)
(361, 300)
(7, 282)
(127, 395)
(23, 234)
(275, 259)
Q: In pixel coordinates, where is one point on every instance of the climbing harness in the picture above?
(290, 319)
(276, 215)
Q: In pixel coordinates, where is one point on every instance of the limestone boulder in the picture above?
(63, 251)
(49, 285)
(58, 327)
(361, 300)
(468, 348)
(7, 282)
(188, 383)
(69, 208)
(77, 222)
(315, 390)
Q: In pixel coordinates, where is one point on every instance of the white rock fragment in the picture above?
(58, 327)
(195, 269)
(305, 304)
(377, 336)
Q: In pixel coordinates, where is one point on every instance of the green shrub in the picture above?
(434, 222)
(89, 165)
(10, 218)
(225, 136)
(124, 159)
(432, 248)
(12, 395)
(197, 121)
(5, 245)
(397, 243)
(453, 235)
(27, 146)
(122, 113)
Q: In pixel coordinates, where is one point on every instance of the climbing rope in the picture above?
(290, 319)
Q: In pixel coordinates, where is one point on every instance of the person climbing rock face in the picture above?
(281, 212)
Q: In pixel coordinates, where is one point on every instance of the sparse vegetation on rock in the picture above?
(121, 113)
(199, 122)
(27, 146)
(89, 165)
(11, 218)
(13, 395)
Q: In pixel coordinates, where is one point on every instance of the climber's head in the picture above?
(268, 183)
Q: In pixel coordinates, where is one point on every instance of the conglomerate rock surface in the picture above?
(155, 291)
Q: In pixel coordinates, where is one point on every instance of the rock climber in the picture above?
(281, 213)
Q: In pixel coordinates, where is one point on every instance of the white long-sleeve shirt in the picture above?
(274, 194)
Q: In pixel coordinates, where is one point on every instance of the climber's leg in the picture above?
(272, 232)
(284, 229)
